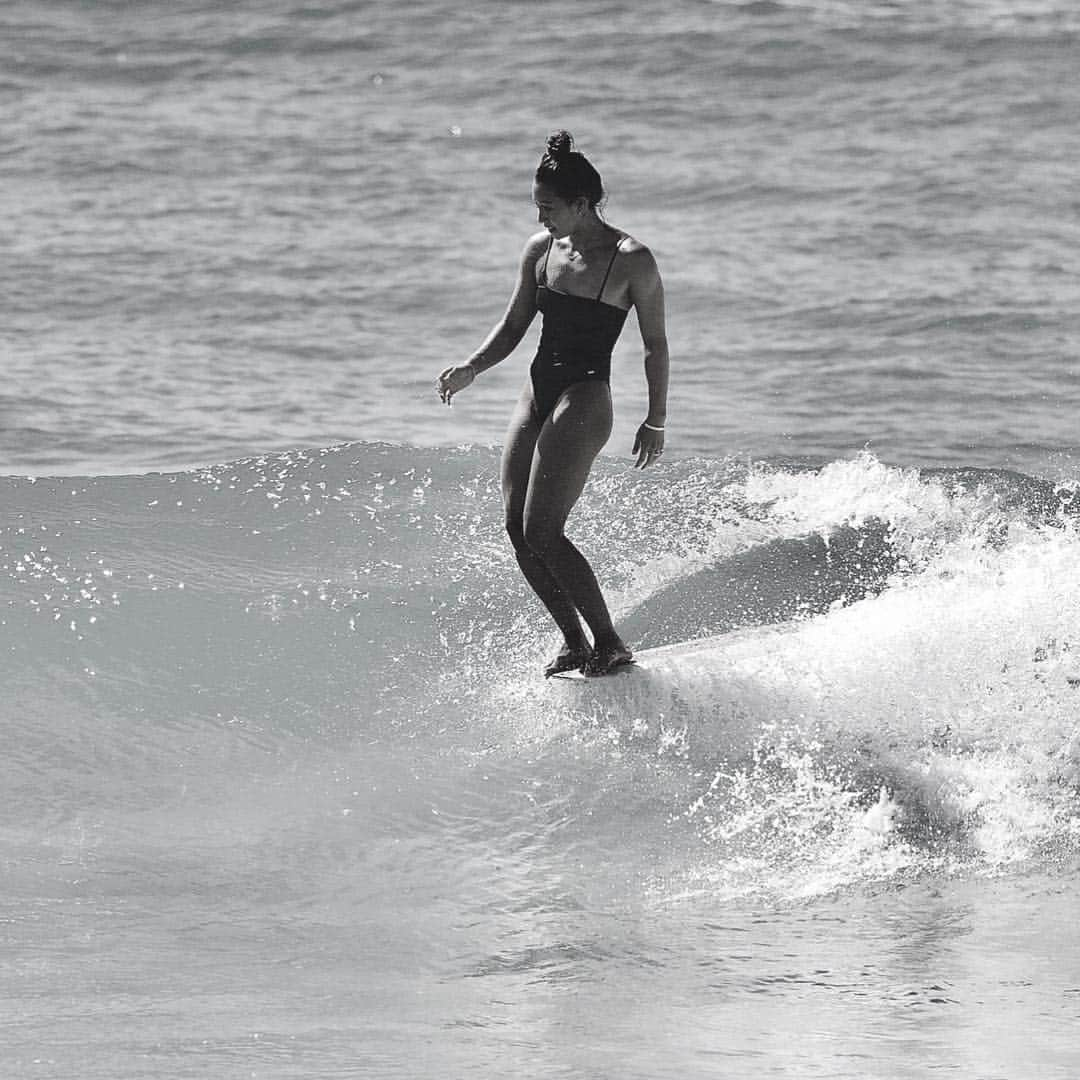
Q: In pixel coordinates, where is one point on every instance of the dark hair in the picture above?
(568, 173)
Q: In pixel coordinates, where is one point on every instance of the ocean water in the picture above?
(245, 227)
(285, 792)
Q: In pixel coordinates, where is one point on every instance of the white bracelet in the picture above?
(651, 428)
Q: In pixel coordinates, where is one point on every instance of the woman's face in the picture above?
(557, 215)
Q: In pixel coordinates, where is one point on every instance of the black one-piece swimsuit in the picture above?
(576, 340)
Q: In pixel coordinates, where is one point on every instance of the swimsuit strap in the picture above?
(547, 255)
(603, 284)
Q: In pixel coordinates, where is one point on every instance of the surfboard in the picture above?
(699, 660)
(579, 676)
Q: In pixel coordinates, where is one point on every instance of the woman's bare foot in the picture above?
(607, 656)
(570, 658)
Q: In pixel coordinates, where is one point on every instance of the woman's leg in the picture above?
(565, 450)
(517, 461)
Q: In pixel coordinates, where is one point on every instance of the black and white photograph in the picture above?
(540, 540)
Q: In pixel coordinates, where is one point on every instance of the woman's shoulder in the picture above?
(629, 245)
(639, 259)
(537, 244)
(534, 249)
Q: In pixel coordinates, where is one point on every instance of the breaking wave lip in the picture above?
(849, 672)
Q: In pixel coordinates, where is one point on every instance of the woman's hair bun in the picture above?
(569, 173)
(560, 145)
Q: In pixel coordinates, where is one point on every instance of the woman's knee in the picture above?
(532, 534)
(540, 534)
(515, 529)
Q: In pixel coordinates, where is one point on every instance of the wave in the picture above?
(848, 672)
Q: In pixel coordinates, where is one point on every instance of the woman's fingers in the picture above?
(647, 455)
(647, 447)
(442, 385)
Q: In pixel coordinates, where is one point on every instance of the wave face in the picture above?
(856, 672)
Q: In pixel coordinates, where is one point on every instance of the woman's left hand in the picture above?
(648, 445)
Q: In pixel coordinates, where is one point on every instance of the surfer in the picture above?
(584, 275)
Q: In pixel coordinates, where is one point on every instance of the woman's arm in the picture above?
(647, 296)
(506, 334)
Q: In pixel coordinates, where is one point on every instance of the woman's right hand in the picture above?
(454, 379)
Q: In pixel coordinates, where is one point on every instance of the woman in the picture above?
(584, 275)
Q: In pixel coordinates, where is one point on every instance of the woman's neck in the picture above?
(591, 234)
